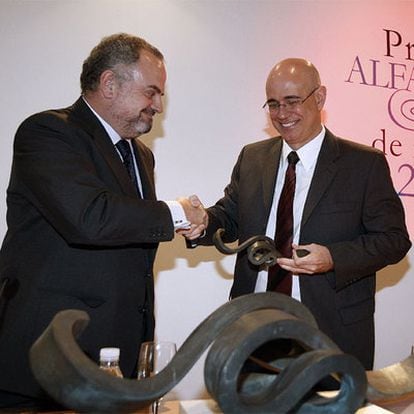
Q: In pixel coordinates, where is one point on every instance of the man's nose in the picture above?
(157, 104)
(282, 112)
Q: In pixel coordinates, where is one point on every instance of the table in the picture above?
(405, 406)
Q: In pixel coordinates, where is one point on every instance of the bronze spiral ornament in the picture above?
(266, 355)
(260, 249)
(235, 331)
(286, 388)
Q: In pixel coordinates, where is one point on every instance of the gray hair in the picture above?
(113, 50)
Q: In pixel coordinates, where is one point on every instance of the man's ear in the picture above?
(320, 96)
(107, 83)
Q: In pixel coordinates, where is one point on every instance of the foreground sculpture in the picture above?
(235, 330)
(248, 368)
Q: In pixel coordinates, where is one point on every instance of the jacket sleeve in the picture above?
(384, 238)
(58, 171)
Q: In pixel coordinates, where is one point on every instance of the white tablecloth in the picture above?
(210, 407)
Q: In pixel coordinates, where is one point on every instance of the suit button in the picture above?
(142, 309)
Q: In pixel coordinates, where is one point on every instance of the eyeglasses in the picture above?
(290, 104)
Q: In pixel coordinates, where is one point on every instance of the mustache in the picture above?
(149, 111)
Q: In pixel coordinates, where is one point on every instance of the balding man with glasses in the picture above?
(329, 196)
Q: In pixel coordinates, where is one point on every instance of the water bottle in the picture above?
(109, 361)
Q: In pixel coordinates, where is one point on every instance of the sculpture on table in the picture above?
(238, 374)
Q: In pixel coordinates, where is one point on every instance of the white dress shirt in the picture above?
(308, 155)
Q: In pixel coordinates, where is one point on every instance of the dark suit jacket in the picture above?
(352, 208)
(78, 237)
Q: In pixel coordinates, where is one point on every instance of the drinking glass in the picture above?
(154, 357)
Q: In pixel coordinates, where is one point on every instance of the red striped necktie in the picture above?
(280, 280)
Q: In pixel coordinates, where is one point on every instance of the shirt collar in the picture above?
(115, 137)
(308, 154)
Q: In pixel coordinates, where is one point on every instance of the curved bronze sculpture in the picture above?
(236, 330)
(260, 249)
(238, 374)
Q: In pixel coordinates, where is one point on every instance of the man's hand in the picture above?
(196, 215)
(319, 260)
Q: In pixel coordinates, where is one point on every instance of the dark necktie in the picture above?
(280, 280)
(127, 157)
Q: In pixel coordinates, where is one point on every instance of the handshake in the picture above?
(196, 215)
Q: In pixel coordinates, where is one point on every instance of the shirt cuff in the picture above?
(178, 215)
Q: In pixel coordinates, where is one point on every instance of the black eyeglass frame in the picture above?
(289, 105)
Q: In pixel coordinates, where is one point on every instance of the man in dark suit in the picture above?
(82, 229)
(346, 212)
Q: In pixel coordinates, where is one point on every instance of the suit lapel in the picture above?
(271, 162)
(83, 115)
(107, 150)
(325, 171)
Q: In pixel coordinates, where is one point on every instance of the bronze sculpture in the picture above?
(285, 382)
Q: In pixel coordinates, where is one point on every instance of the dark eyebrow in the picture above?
(156, 88)
(284, 98)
